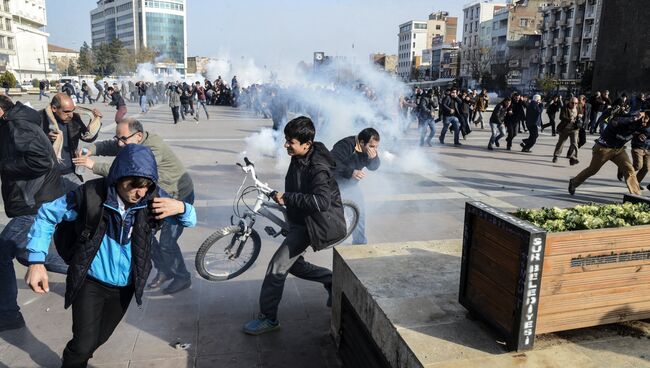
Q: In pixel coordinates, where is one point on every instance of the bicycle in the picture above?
(227, 261)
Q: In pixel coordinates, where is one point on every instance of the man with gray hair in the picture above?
(173, 179)
(533, 120)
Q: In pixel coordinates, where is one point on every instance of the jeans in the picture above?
(498, 132)
(198, 109)
(593, 121)
(445, 125)
(166, 254)
(13, 236)
(288, 259)
(423, 131)
(86, 95)
(351, 191)
(143, 104)
(96, 311)
(42, 94)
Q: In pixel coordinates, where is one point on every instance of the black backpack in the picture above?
(90, 212)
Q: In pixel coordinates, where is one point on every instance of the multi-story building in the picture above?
(23, 41)
(159, 25)
(622, 60)
(445, 59)
(519, 20)
(569, 37)
(412, 40)
(475, 16)
(60, 58)
(417, 36)
(387, 63)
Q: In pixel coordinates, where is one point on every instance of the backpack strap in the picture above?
(94, 194)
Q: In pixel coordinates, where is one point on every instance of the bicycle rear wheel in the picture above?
(227, 253)
(351, 213)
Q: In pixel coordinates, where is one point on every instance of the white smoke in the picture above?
(245, 69)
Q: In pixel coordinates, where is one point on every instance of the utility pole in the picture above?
(45, 61)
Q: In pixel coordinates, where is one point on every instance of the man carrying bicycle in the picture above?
(315, 215)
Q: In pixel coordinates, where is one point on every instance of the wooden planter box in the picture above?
(524, 281)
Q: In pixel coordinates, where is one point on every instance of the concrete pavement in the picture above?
(409, 205)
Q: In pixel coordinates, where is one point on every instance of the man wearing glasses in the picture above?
(173, 179)
(71, 129)
(570, 122)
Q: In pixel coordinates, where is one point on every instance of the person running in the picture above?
(315, 216)
(497, 122)
(450, 111)
(107, 270)
(570, 120)
(534, 110)
(426, 109)
(118, 101)
(610, 146)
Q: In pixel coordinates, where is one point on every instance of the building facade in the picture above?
(412, 40)
(569, 38)
(622, 56)
(60, 58)
(445, 59)
(387, 63)
(23, 40)
(159, 25)
(476, 18)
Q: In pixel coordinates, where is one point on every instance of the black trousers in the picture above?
(96, 311)
(288, 259)
(532, 136)
(176, 113)
(511, 127)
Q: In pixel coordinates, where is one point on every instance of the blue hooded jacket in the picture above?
(113, 262)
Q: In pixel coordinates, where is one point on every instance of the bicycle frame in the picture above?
(262, 206)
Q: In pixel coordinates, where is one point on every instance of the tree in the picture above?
(85, 61)
(546, 84)
(8, 77)
(72, 68)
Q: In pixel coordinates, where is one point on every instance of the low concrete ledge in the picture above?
(406, 298)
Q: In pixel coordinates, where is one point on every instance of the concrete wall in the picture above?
(623, 54)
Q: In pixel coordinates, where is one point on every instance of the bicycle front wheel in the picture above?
(227, 254)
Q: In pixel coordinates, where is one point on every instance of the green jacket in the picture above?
(173, 178)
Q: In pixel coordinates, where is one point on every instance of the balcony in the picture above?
(576, 39)
(562, 23)
(586, 53)
(588, 32)
(578, 20)
(557, 40)
(581, 2)
(568, 40)
(590, 14)
(574, 58)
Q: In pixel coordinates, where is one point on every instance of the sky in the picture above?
(272, 32)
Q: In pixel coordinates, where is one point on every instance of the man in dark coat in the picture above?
(352, 155)
(111, 264)
(315, 215)
(118, 101)
(534, 110)
(29, 178)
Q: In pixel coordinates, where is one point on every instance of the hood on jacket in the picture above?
(133, 160)
(22, 112)
(320, 157)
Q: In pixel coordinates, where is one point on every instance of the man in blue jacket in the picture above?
(109, 264)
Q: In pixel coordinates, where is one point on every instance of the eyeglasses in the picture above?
(124, 139)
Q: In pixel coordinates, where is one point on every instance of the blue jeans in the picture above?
(423, 131)
(143, 103)
(455, 124)
(498, 132)
(13, 236)
(353, 193)
(166, 254)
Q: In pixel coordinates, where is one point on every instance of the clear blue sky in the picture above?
(272, 31)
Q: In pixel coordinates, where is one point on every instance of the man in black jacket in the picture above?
(450, 111)
(315, 215)
(29, 178)
(118, 101)
(71, 129)
(610, 146)
(352, 155)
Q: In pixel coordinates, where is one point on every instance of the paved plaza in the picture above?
(405, 202)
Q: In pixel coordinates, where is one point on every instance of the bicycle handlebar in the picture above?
(250, 168)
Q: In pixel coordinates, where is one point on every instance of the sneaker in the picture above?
(14, 323)
(572, 187)
(522, 145)
(526, 150)
(573, 162)
(554, 159)
(619, 176)
(457, 144)
(261, 325)
(157, 281)
(176, 286)
(496, 143)
(490, 148)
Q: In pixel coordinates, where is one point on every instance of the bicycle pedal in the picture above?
(270, 231)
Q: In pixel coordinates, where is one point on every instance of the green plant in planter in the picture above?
(587, 216)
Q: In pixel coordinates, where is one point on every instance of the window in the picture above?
(10, 43)
(6, 6)
(2, 42)
(414, 34)
(438, 27)
(124, 7)
(523, 22)
(413, 44)
(8, 24)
